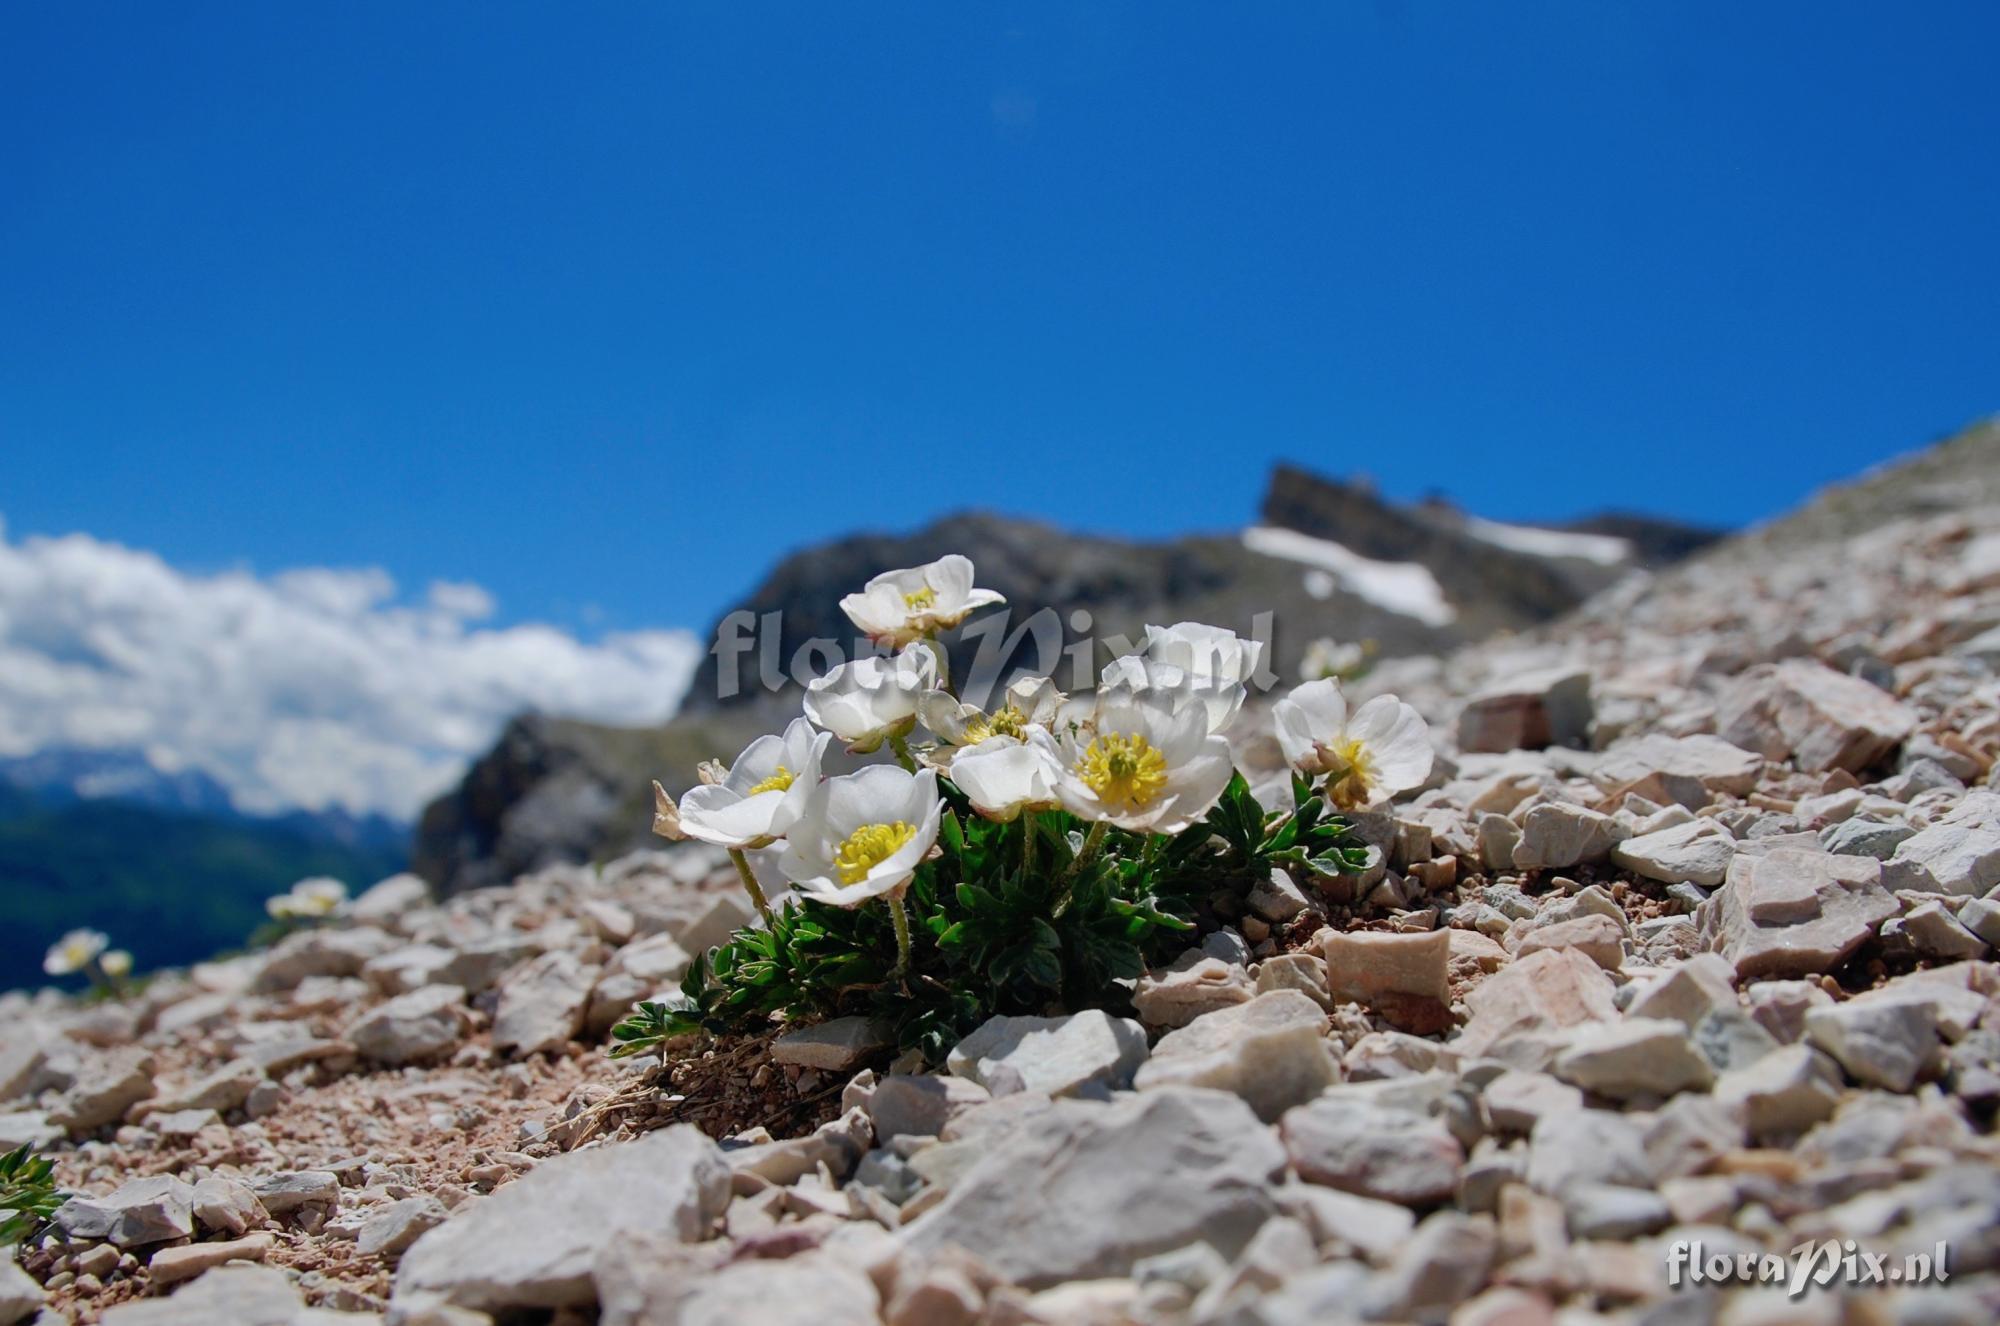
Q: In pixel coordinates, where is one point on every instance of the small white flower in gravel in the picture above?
(1003, 776)
(309, 900)
(1028, 702)
(116, 963)
(868, 701)
(897, 607)
(1141, 764)
(1329, 659)
(863, 835)
(762, 795)
(1189, 662)
(1383, 748)
(74, 951)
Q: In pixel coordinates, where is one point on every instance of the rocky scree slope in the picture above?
(1327, 559)
(1689, 941)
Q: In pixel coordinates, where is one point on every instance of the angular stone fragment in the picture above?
(286, 1192)
(1389, 1154)
(1698, 852)
(107, 1085)
(533, 1242)
(1271, 1051)
(836, 1045)
(904, 1104)
(1784, 1093)
(140, 1211)
(1196, 983)
(1960, 855)
(1883, 1044)
(1596, 936)
(1556, 835)
(1636, 1057)
(1081, 1054)
(1527, 712)
(396, 1226)
(1687, 771)
(543, 1004)
(1365, 965)
(1938, 934)
(1088, 1189)
(240, 1294)
(226, 1204)
(1794, 912)
(424, 1024)
(1686, 992)
(1820, 719)
(172, 1265)
(1544, 992)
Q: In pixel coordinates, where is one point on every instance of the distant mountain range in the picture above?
(1324, 558)
(161, 861)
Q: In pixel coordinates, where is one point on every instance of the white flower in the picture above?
(1383, 748)
(1189, 662)
(763, 793)
(1325, 658)
(74, 952)
(309, 899)
(897, 607)
(1141, 764)
(1028, 702)
(1003, 776)
(116, 963)
(863, 835)
(869, 700)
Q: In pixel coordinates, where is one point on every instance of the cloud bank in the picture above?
(312, 688)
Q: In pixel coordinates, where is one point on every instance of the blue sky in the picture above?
(604, 307)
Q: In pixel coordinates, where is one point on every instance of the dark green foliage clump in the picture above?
(1044, 914)
(28, 1195)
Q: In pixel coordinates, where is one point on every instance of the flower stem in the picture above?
(901, 920)
(1093, 842)
(901, 746)
(1028, 845)
(750, 884)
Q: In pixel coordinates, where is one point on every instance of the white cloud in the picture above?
(316, 687)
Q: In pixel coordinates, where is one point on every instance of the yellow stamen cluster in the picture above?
(780, 781)
(1008, 722)
(1123, 770)
(868, 846)
(920, 599)
(1350, 774)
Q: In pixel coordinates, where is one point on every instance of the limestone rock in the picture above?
(226, 1204)
(1271, 1051)
(1389, 1154)
(411, 1028)
(240, 1294)
(1596, 936)
(1688, 771)
(837, 1045)
(1197, 982)
(1366, 965)
(21, 1297)
(1088, 1053)
(107, 1085)
(172, 1265)
(391, 1230)
(138, 1212)
(1784, 1093)
(1794, 912)
(1556, 835)
(1820, 719)
(1884, 1044)
(910, 1105)
(1636, 1057)
(1960, 855)
(1543, 992)
(543, 1004)
(532, 1243)
(1088, 1189)
(1527, 712)
(1697, 852)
